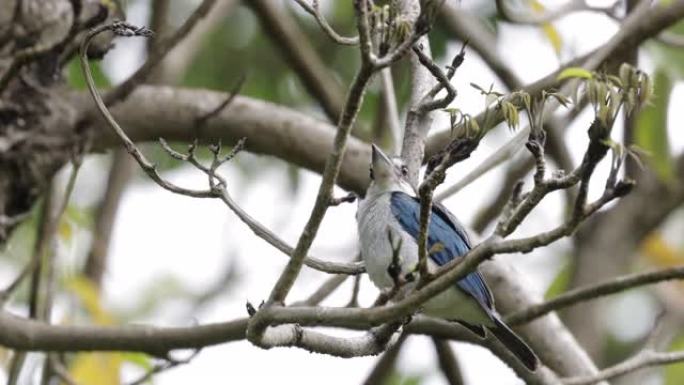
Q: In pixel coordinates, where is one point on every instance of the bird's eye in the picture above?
(371, 173)
(404, 170)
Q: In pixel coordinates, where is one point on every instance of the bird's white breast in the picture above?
(374, 218)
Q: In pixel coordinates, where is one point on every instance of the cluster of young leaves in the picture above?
(458, 119)
(498, 105)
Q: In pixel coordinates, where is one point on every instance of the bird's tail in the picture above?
(516, 345)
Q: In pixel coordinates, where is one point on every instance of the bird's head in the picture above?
(388, 174)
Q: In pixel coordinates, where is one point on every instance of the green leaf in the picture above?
(574, 72)
(650, 132)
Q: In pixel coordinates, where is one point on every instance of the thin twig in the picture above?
(299, 53)
(349, 198)
(315, 11)
(385, 365)
(356, 287)
(640, 25)
(328, 287)
(217, 191)
(429, 102)
(202, 120)
(164, 47)
(163, 367)
(644, 359)
(547, 16)
(501, 155)
(59, 370)
(370, 64)
(124, 29)
(591, 292)
(332, 166)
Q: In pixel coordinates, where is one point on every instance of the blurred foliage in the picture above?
(74, 218)
(650, 132)
(19, 246)
(398, 378)
(98, 368)
(75, 79)
(561, 282)
(660, 253)
(549, 30)
(89, 298)
(668, 57)
(240, 46)
(674, 374)
(616, 350)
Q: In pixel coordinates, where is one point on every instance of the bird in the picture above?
(388, 219)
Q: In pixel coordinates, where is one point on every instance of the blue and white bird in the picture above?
(390, 205)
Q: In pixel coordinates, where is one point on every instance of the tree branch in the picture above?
(448, 362)
(215, 191)
(590, 292)
(645, 358)
(644, 23)
(315, 11)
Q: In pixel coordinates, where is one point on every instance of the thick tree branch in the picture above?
(152, 112)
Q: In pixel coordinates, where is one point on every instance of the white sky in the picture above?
(161, 234)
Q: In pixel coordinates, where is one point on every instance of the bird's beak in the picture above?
(382, 164)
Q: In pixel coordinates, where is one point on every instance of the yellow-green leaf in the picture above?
(574, 72)
(549, 30)
(65, 230)
(554, 37)
(659, 252)
(89, 296)
(96, 368)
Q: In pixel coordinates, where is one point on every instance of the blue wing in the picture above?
(444, 229)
